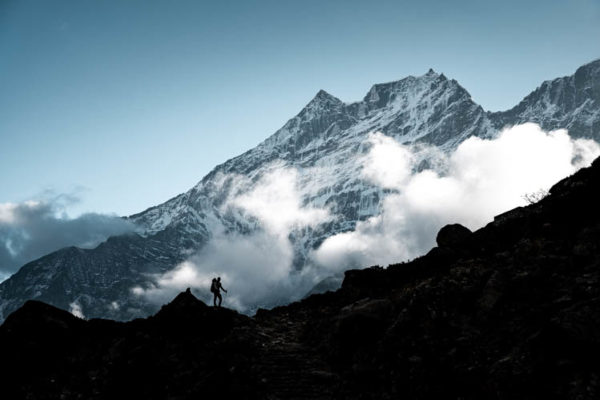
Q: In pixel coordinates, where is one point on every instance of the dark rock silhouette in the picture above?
(511, 311)
(452, 236)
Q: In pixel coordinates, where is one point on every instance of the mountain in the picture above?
(510, 311)
(324, 143)
(571, 102)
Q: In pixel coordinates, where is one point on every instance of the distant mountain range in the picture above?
(328, 134)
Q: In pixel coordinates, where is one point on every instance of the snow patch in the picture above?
(75, 309)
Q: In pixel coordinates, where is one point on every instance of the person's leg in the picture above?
(215, 298)
(220, 299)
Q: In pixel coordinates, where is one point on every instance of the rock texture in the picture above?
(324, 142)
(571, 102)
(511, 311)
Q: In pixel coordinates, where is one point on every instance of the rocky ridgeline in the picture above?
(511, 311)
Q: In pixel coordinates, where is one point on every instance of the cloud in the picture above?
(255, 257)
(388, 163)
(481, 179)
(277, 204)
(256, 267)
(32, 229)
(75, 309)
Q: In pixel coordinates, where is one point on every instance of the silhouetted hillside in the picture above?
(511, 311)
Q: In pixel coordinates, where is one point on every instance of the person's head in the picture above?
(219, 278)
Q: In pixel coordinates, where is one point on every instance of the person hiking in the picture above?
(215, 288)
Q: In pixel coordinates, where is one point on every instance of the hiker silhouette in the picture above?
(215, 288)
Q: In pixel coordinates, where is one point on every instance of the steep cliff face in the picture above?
(324, 144)
(511, 311)
(571, 102)
(98, 281)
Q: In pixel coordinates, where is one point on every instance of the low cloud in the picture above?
(32, 229)
(255, 268)
(75, 309)
(481, 179)
(255, 258)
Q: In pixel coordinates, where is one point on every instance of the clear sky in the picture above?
(128, 103)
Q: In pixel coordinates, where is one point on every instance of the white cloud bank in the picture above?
(255, 268)
(481, 179)
(32, 229)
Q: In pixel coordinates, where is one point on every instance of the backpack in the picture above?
(213, 286)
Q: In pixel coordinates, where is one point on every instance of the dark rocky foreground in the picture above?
(511, 311)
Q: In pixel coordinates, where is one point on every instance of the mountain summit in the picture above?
(323, 142)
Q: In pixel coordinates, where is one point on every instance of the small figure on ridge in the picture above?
(215, 288)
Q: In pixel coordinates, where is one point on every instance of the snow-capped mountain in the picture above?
(327, 136)
(571, 102)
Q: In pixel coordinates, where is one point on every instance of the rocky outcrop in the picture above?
(452, 236)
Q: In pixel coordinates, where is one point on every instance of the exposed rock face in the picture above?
(571, 102)
(93, 278)
(328, 136)
(513, 315)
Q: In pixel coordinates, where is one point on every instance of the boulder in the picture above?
(452, 236)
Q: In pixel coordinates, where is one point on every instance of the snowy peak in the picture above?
(382, 94)
(571, 102)
(321, 104)
(317, 117)
(569, 91)
(589, 73)
(322, 97)
(587, 82)
(429, 108)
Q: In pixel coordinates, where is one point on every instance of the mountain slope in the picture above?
(510, 311)
(89, 279)
(571, 102)
(324, 143)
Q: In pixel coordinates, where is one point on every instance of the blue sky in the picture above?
(127, 104)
